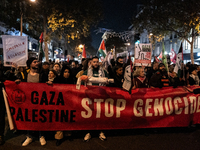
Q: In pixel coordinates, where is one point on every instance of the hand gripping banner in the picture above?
(38, 106)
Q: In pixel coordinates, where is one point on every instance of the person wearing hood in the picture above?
(65, 76)
(160, 78)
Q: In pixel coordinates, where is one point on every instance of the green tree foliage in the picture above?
(66, 18)
(163, 17)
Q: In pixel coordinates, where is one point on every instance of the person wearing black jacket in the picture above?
(193, 77)
(152, 70)
(174, 80)
(118, 77)
(160, 78)
(44, 72)
(64, 78)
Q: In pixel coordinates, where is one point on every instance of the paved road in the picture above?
(137, 139)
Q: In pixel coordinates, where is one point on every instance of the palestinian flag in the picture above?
(102, 49)
(156, 59)
(179, 61)
(41, 51)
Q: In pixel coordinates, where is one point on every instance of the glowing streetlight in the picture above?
(80, 46)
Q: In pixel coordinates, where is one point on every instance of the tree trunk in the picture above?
(192, 47)
(46, 49)
(191, 52)
(65, 48)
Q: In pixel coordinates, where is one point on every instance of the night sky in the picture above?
(117, 16)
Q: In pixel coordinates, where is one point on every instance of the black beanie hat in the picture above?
(160, 65)
(192, 68)
(29, 61)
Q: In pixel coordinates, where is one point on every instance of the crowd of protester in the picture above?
(50, 72)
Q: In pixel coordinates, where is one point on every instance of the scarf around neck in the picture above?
(100, 74)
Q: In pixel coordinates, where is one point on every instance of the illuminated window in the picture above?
(186, 45)
(30, 46)
(196, 42)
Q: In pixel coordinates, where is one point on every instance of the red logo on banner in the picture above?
(148, 55)
(18, 96)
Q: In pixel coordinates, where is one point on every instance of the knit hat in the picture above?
(161, 65)
(192, 68)
(29, 61)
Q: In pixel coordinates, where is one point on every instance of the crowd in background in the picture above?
(143, 77)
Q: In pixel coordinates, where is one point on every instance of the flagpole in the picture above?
(183, 64)
(10, 121)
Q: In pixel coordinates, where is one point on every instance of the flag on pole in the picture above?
(128, 77)
(156, 59)
(41, 51)
(84, 52)
(164, 58)
(173, 56)
(102, 49)
(179, 60)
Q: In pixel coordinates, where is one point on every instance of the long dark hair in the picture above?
(64, 80)
(63, 70)
(85, 64)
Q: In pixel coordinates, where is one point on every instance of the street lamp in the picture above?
(21, 17)
(80, 46)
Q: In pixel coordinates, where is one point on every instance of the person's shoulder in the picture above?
(85, 72)
(156, 75)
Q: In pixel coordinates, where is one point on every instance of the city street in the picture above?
(137, 139)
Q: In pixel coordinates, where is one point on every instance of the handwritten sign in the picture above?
(15, 50)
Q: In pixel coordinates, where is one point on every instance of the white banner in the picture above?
(15, 50)
(123, 54)
(143, 54)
